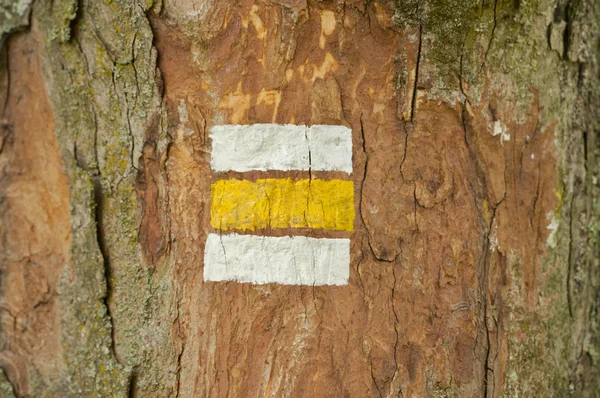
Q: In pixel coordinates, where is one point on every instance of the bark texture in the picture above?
(475, 256)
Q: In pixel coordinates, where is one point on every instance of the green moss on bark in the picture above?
(102, 75)
(13, 15)
(6, 389)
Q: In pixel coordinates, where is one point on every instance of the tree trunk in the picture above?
(474, 199)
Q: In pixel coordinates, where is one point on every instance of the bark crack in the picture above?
(180, 335)
(536, 197)
(360, 280)
(5, 64)
(98, 199)
(570, 259)
(416, 204)
(131, 391)
(488, 365)
(396, 322)
(413, 102)
(373, 376)
(362, 189)
(223, 248)
(491, 38)
(360, 200)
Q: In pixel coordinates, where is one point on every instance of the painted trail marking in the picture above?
(280, 203)
(281, 147)
(289, 260)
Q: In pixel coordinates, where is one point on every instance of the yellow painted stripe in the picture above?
(282, 203)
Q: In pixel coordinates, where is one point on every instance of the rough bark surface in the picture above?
(475, 252)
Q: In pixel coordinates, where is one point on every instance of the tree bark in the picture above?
(475, 251)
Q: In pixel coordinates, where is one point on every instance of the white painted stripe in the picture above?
(330, 148)
(281, 147)
(288, 260)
